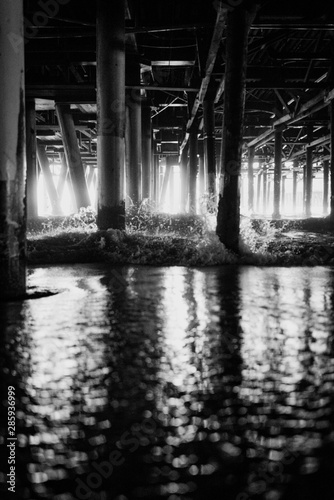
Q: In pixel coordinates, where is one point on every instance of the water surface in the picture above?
(172, 383)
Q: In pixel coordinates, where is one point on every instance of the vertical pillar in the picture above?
(251, 154)
(73, 156)
(192, 169)
(331, 161)
(48, 179)
(32, 172)
(277, 173)
(156, 175)
(228, 218)
(325, 187)
(304, 188)
(146, 150)
(111, 113)
(134, 186)
(283, 192)
(201, 176)
(171, 186)
(184, 180)
(308, 178)
(265, 190)
(12, 151)
(153, 180)
(294, 185)
(258, 191)
(62, 176)
(210, 146)
(165, 181)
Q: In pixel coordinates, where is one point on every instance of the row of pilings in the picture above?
(121, 127)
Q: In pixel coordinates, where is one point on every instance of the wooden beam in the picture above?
(212, 55)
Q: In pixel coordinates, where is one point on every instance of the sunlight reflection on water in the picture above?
(212, 380)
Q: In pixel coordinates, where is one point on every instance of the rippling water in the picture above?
(172, 383)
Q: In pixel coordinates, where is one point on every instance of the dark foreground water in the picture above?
(171, 383)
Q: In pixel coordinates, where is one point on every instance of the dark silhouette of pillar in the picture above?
(269, 189)
(325, 187)
(308, 179)
(251, 154)
(32, 171)
(165, 181)
(172, 185)
(184, 179)
(228, 220)
(73, 156)
(294, 185)
(209, 146)
(48, 179)
(146, 124)
(12, 151)
(201, 176)
(283, 192)
(304, 188)
(156, 173)
(63, 175)
(134, 149)
(193, 169)
(265, 190)
(258, 192)
(277, 173)
(111, 113)
(331, 161)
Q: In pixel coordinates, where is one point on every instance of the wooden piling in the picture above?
(73, 156)
(111, 113)
(228, 218)
(146, 145)
(31, 153)
(193, 169)
(48, 179)
(12, 151)
(277, 173)
(325, 187)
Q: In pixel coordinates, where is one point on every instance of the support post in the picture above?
(308, 179)
(32, 171)
(146, 150)
(48, 179)
(331, 165)
(251, 154)
(283, 192)
(258, 192)
(193, 168)
(165, 182)
(111, 113)
(294, 185)
(265, 190)
(73, 156)
(325, 187)
(210, 147)
(228, 218)
(62, 176)
(184, 179)
(201, 176)
(12, 151)
(277, 173)
(134, 148)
